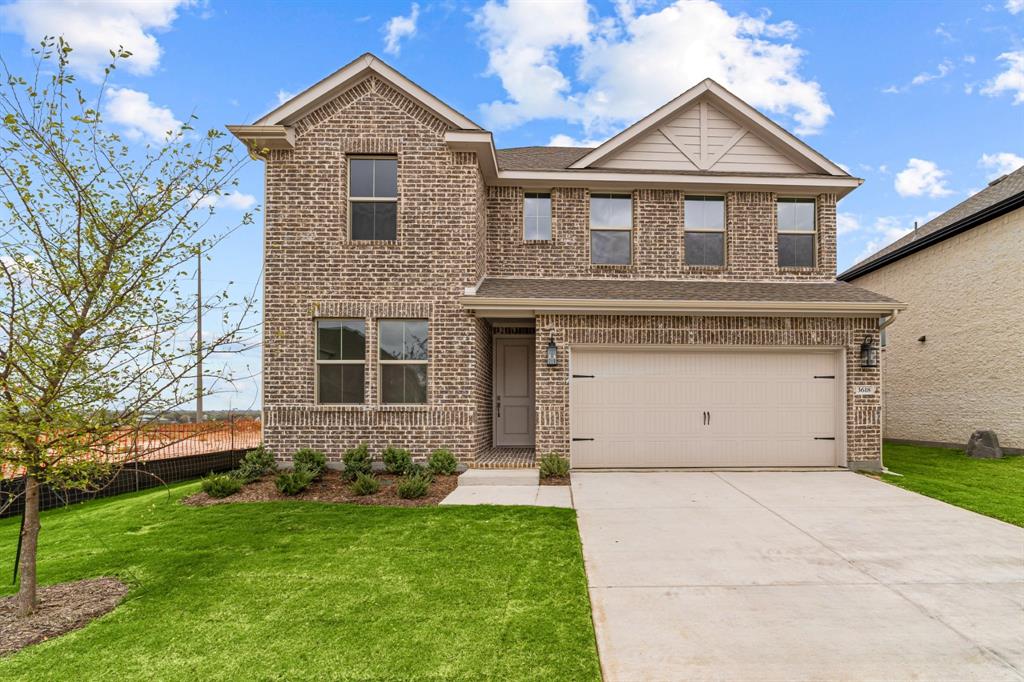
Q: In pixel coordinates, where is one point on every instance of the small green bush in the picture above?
(413, 487)
(254, 464)
(442, 462)
(357, 461)
(293, 482)
(396, 460)
(552, 465)
(365, 485)
(221, 485)
(415, 469)
(308, 459)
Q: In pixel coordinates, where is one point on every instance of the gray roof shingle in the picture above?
(665, 290)
(1009, 186)
(539, 158)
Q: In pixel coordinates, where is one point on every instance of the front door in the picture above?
(513, 391)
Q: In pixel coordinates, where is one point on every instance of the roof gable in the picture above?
(707, 128)
(344, 78)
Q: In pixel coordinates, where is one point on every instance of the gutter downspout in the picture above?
(881, 326)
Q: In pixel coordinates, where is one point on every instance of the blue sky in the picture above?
(924, 100)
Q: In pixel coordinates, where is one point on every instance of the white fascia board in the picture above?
(795, 185)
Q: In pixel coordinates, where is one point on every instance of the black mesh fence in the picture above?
(131, 477)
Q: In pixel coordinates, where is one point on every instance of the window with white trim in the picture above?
(403, 361)
(704, 236)
(536, 216)
(611, 229)
(797, 232)
(373, 197)
(340, 361)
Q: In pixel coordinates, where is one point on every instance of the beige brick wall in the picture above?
(314, 270)
(863, 413)
(966, 296)
(658, 239)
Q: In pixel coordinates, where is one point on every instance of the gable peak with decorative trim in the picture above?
(707, 128)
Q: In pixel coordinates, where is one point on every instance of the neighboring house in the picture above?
(667, 299)
(954, 362)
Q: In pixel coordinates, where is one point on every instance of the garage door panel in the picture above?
(645, 408)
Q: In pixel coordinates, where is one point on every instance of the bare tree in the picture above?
(97, 336)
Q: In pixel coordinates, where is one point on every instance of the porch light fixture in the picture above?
(868, 354)
(552, 353)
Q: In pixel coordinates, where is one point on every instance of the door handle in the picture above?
(497, 405)
(709, 418)
(706, 418)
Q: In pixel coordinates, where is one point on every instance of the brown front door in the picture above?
(513, 391)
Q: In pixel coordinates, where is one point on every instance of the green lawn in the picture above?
(301, 590)
(994, 487)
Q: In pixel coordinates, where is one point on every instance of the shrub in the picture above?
(221, 485)
(293, 482)
(553, 464)
(308, 459)
(442, 462)
(396, 460)
(415, 469)
(357, 461)
(365, 485)
(254, 464)
(413, 487)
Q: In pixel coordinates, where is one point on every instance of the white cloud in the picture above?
(1009, 81)
(886, 230)
(563, 140)
(847, 223)
(283, 96)
(941, 71)
(94, 28)
(139, 116)
(970, 58)
(943, 32)
(628, 64)
(922, 178)
(1015, 6)
(398, 28)
(1001, 163)
(238, 201)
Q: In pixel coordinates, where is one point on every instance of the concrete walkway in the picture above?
(508, 486)
(796, 576)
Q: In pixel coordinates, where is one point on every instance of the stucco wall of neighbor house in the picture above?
(314, 270)
(863, 412)
(966, 297)
(659, 243)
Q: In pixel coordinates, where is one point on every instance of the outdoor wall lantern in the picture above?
(868, 354)
(552, 353)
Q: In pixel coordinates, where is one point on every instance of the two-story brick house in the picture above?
(667, 299)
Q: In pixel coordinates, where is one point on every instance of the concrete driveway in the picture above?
(795, 576)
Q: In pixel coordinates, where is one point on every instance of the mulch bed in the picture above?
(331, 488)
(555, 480)
(62, 608)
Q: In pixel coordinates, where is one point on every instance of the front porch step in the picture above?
(500, 477)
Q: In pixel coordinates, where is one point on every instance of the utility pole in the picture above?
(199, 338)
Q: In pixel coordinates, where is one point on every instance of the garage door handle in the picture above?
(579, 439)
(824, 376)
(582, 376)
(824, 438)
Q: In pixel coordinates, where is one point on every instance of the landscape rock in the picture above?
(984, 445)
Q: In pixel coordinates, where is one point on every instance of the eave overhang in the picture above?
(530, 307)
(260, 139)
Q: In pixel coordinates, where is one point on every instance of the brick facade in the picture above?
(659, 244)
(452, 231)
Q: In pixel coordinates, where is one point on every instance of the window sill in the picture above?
(372, 407)
(614, 266)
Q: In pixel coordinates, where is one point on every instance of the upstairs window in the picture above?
(373, 197)
(340, 361)
(797, 232)
(403, 361)
(704, 239)
(611, 229)
(536, 216)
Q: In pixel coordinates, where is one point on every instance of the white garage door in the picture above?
(669, 408)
